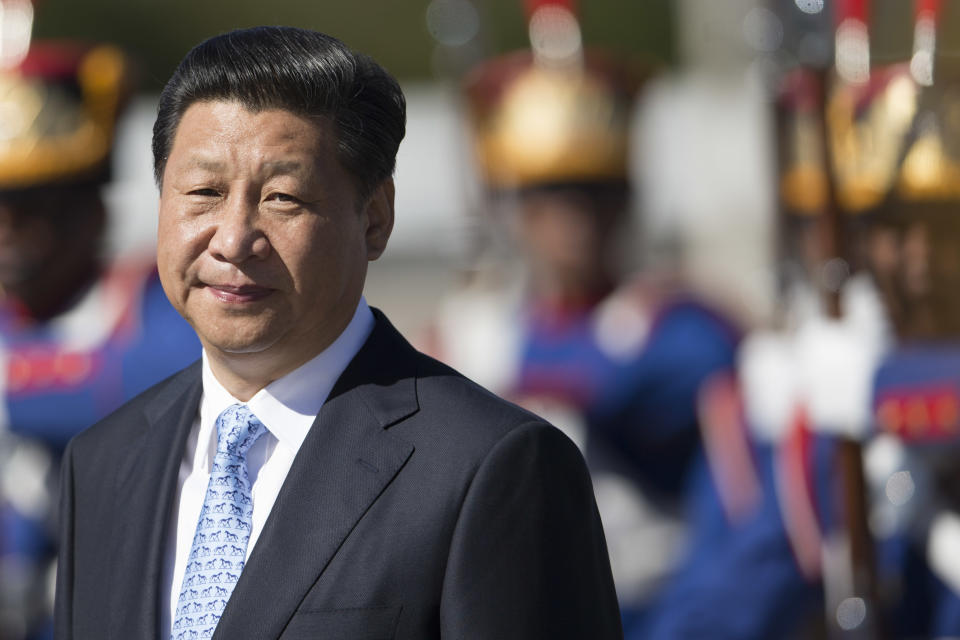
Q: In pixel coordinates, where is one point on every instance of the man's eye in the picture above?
(208, 193)
(281, 197)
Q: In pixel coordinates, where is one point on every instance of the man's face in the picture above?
(262, 242)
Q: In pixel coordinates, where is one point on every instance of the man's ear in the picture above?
(379, 215)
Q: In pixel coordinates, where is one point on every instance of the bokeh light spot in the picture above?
(453, 23)
(555, 34)
(852, 51)
(811, 7)
(851, 613)
(900, 488)
(763, 30)
(16, 24)
(834, 273)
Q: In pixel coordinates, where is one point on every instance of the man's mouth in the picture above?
(238, 294)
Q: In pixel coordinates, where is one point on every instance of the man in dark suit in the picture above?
(313, 475)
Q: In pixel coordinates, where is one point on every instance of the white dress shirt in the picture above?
(287, 407)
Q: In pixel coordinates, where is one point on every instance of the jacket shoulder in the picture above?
(468, 421)
(443, 389)
(129, 421)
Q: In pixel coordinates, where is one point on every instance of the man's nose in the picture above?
(238, 236)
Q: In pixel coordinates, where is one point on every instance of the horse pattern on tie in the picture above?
(219, 545)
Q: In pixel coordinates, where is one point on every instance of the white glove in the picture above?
(768, 377)
(826, 367)
(836, 362)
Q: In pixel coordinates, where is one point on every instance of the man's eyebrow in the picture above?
(284, 166)
(272, 167)
(205, 163)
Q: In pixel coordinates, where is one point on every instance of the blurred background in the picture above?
(715, 242)
(704, 122)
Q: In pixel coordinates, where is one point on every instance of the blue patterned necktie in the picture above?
(220, 543)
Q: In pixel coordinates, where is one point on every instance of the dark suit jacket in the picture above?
(419, 506)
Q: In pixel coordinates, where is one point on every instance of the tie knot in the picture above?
(237, 430)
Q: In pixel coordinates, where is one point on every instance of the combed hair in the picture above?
(306, 72)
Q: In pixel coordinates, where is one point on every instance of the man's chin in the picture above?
(238, 345)
(240, 348)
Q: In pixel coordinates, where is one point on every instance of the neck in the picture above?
(242, 387)
(243, 374)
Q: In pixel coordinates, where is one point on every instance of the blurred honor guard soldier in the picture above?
(79, 334)
(914, 254)
(616, 361)
(884, 373)
(771, 515)
(313, 475)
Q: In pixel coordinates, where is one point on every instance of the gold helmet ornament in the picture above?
(59, 103)
(930, 171)
(553, 114)
(866, 125)
(534, 124)
(915, 247)
(803, 177)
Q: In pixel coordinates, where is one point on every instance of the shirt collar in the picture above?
(288, 406)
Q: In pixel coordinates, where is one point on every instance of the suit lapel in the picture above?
(146, 485)
(344, 464)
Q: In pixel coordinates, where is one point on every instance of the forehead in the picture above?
(227, 132)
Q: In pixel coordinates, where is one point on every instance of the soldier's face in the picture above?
(917, 269)
(262, 241)
(49, 241)
(567, 234)
(27, 240)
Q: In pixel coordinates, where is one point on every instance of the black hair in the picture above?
(305, 72)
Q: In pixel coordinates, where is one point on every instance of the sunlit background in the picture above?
(700, 152)
(703, 158)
